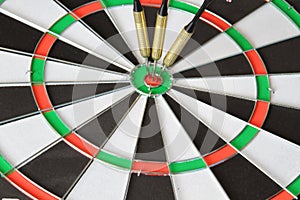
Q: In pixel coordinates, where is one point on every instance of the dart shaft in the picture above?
(142, 33)
(159, 36)
(177, 47)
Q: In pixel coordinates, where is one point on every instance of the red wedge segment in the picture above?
(45, 45)
(87, 9)
(153, 3)
(41, 97)
(260, 113)
(216, 21)
(283, 195)
(150, 168)
(256, 62)
(219, 155)
(81, 144)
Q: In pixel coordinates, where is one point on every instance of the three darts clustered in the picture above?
(159, 37)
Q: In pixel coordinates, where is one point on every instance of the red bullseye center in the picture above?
(151, 81)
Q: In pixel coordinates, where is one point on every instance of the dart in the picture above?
(184, 36)
(159, 34)
(141, 30)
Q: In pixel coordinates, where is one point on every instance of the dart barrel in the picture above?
(142, 33)
(176, 48)
(159, 36)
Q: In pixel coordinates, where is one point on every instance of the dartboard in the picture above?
(83, 118)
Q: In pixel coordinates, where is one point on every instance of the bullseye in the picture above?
(153, 81)
(147, 84)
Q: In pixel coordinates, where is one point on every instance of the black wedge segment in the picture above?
(99, 129)
(238, 172)
(61, 94)
(240, 108)
(11, 106)
(150, 14)
(235, 65)
(97, 21)
(150, 144)
(203, 138)
(56, 169)
(283, 122)
(235, 10)
(67, 52)
(18, 36)
(150, 188)
(282, 57)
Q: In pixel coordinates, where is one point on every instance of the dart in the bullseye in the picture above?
(153, 78)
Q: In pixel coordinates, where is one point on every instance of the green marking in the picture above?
(37, 68)
(294, 187)
(114, 160)
(138, 76)
(244, 137)
(1, 1)
(288, 10)
(5, 167)
(57, 123)
(189, 165)
(62, 24)
(111, 3)
(239, 39)
(183, 6)
(263, 92)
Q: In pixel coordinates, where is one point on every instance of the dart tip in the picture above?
(147, 65)
(154, 69)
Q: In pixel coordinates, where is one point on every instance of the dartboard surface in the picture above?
(83, 118)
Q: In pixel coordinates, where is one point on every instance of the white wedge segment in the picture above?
(198, 185)
(176, 22)
(42, 13)
(237, 86)
(83, 36)
(177, 143)
(277, 157)
(78, 113)
(219, 47)
(14, 68)
(267, 25)
(124, 139)
(101, 181)
(285, 90)
(122, 17)
(19, 140)
(225, 125)
(61, 72)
